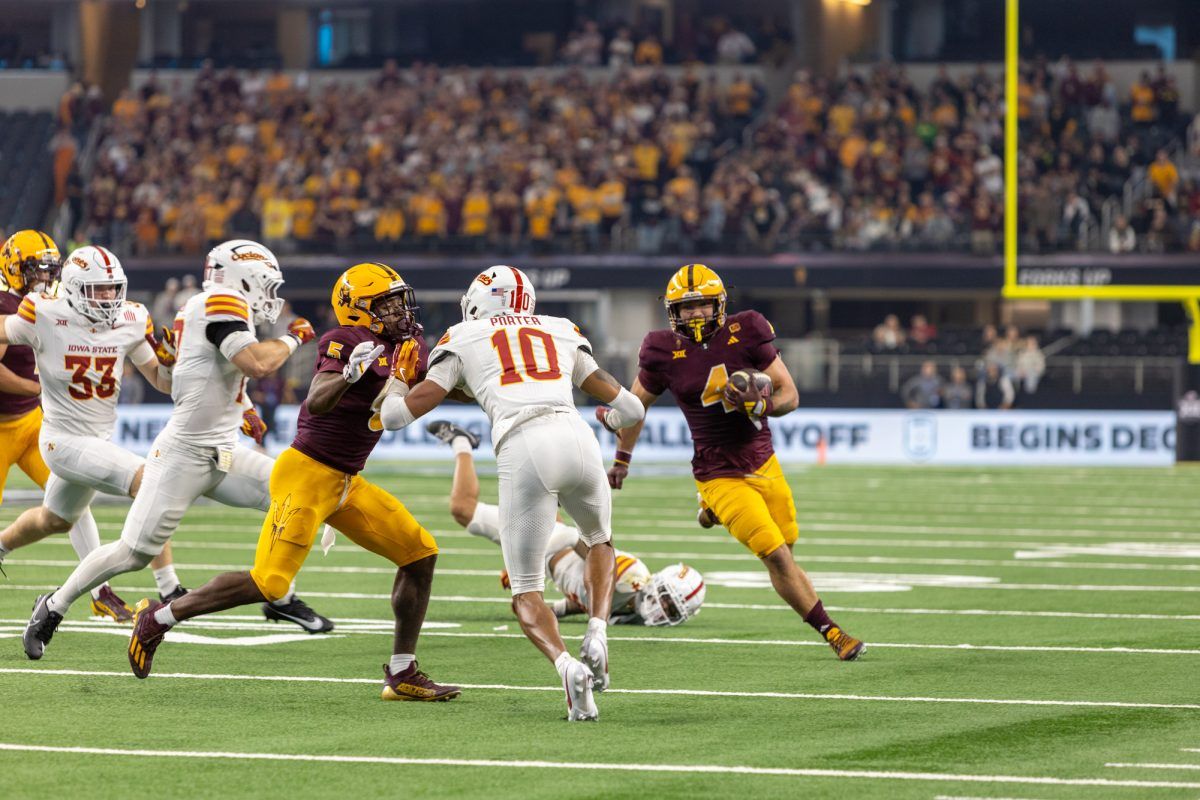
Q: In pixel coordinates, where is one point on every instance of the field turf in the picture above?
(1032, 634)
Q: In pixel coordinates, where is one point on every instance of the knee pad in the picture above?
(597, 538)
(273, 585)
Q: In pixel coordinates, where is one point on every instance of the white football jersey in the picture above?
(631, 576)
(79, 363)
(206, 387)
(516, 367)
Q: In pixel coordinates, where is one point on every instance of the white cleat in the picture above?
(577, 681)
(594, 653)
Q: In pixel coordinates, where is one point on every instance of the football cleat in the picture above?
(846, 646)
(594, 653)
(42, 625)
(412, 684)
(577, 682)
(109, 605)
(297, 611)
(446, 432)
(173, 595)
(147, 635)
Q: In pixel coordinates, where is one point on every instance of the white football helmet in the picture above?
(251, 270)
(93, 284)
(673, 596)
(498, 290)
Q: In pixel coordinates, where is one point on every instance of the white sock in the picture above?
(166, 579)
(598, 627)
(563, 661)
(56, 605)
(461, 445)
(164, 616)
(84, 535)
(400, 662)
(559, 607)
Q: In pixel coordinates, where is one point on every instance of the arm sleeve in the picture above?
(141, 352)
(650, 373)
(585, 365)
(446, 370)
(19, 330)
(761, 349)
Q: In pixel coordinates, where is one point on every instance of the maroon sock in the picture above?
(818, 618)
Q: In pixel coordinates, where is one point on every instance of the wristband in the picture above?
(623, 457)
(292, 343)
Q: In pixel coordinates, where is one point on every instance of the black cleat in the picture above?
(297, 611)
(42, 625)
(446, 432)
(172, 595)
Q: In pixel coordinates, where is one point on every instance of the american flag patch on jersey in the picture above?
(130, 316)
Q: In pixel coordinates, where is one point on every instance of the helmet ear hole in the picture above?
(245, 286)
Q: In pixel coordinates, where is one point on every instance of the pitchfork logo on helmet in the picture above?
(694, 283)
(374, 296)
(31, 261)
(251, 270)
(94, 285)
(496, 291)
(673, 596)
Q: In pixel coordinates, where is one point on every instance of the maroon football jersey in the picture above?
(725, 440)
(20, 360)
(343, 438)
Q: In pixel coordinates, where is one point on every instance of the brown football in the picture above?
(743, 379)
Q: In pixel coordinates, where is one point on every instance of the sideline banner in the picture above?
(982, 438)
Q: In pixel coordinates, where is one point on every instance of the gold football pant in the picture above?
(19, 445)
(757, 509)
(306, 493)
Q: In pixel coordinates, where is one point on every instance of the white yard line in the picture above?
(659, 692)
(14, 625)
(1117, 765)
(709, 769)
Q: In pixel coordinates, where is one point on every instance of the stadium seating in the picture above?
(25, 185)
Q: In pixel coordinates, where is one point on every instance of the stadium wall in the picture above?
(32, 90)
(847, 436)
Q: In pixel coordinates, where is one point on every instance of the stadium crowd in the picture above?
(641, 160)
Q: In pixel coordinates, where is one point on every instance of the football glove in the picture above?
(361, 358)
(253, 425)
(404, 361)
(602, 418)
(301, 330)
(164, 348)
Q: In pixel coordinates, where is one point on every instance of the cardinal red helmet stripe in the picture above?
(695, 591)
(519, 294)
(104, 255)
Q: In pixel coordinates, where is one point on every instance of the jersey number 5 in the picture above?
(529, 361)
(104, 388)
(714, 388)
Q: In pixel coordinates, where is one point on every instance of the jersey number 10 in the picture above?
(529, 361)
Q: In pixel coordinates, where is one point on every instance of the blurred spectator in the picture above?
(1030, 365)
(163, 309)
(958, 393)
(920, 331)
(923, 390)
(1121, 238)
(1164, 177)
(734, 47)
(993, 389)
(63, 148)
(888, 335)
(187, 289)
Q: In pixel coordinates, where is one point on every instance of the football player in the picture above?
(739, 479)
(197, 452)
(522, 368)
(31, 264)
(81, 338)
(316, 480)
(668, 597)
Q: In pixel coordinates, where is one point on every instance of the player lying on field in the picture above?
(698, 359)
(522, 369)
(316, 481)
(197, 452)
(668, 597)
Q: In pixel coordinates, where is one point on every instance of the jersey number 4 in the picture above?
(81, 387)
(714, 389)
(529, 360)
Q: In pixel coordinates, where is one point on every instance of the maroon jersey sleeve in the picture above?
(335, 346)
(653, 359)
(759, 335)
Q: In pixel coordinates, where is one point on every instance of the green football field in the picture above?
(1032, 634)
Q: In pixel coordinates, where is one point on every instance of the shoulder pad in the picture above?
(338, 342)
(226, 306)
(753, 325)
(656, 349)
